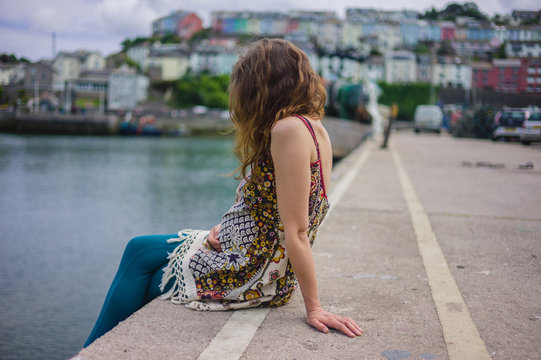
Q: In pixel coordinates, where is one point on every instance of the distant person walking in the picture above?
(261, 248)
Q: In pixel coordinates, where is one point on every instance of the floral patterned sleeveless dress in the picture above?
(253, 269)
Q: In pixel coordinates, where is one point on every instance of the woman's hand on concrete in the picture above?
(323, 320)
(214, 238)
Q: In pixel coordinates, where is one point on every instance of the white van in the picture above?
(428, 118)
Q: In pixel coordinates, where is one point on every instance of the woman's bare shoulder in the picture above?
(289, 127)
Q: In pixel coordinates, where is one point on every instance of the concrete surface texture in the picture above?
(486, 221)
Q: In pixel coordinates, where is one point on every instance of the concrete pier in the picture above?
(431, 249)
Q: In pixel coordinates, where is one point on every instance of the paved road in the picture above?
(464, 199)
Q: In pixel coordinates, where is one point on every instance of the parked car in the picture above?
(427, 118)
(531, 128)
(508, 122)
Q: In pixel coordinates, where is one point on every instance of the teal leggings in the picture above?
(136, 282)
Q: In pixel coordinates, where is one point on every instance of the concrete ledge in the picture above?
(162, 330)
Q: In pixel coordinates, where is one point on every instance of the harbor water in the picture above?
(68, 207)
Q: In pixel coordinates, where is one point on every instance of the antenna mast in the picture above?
(54, 44)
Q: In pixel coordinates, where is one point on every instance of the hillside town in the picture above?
(457, 47)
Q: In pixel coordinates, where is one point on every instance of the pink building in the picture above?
(189, 25)
(448, 31)
(181, 23)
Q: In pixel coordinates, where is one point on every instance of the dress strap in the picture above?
(312, 132)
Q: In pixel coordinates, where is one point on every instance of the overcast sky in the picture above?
(26, 25)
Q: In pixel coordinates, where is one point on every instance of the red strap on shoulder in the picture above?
(312, 132)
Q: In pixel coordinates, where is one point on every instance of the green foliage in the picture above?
(431, 14)
(422, 48)
(245, 39)
(133, 64)
(375, 52)
(480, 124)
(497, 19)
(532, 21)
(199, 36)
(170, 39)
(204, 89)
(12, 59)
(406, 96)
(23, 96)
(128, 43)
(500, 53)
(445, 48)
(453, 10)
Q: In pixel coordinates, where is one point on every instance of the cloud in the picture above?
(126, 17)
(27, 24)
(36, 45)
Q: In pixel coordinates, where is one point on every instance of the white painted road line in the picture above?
(235, 336)
(461, 335)
(337, 191)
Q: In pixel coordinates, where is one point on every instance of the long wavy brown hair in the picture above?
(271, 81)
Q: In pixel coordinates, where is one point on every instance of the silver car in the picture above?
(531, 128)
(508, 122)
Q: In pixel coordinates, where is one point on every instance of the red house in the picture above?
(448, 31)
(502, 75)
(189, 25)
(181, 23)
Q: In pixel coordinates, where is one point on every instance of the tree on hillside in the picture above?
(204, 89)
(499, 20)
(170, 39)
(197, 37)
(532, 21)
(445, 48)
(453, 10)
(423, 47)
(500, 53)
(128, 43)
(431, 14)
(12, 59)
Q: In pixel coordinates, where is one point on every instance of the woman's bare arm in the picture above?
(291, 149)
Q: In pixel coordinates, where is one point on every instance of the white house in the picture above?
(69, 65)
(214, 59)
(351, 34)
(167, 66)
(5, 73)
(329, 34)
(139, 54)
(126, 89)
(522, 49)
(400, 67)
(373, 68)
(451, 72)
(389, 36)
(93, 61)
(12, 73)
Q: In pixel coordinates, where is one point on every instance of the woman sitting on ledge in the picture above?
(262, 247)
